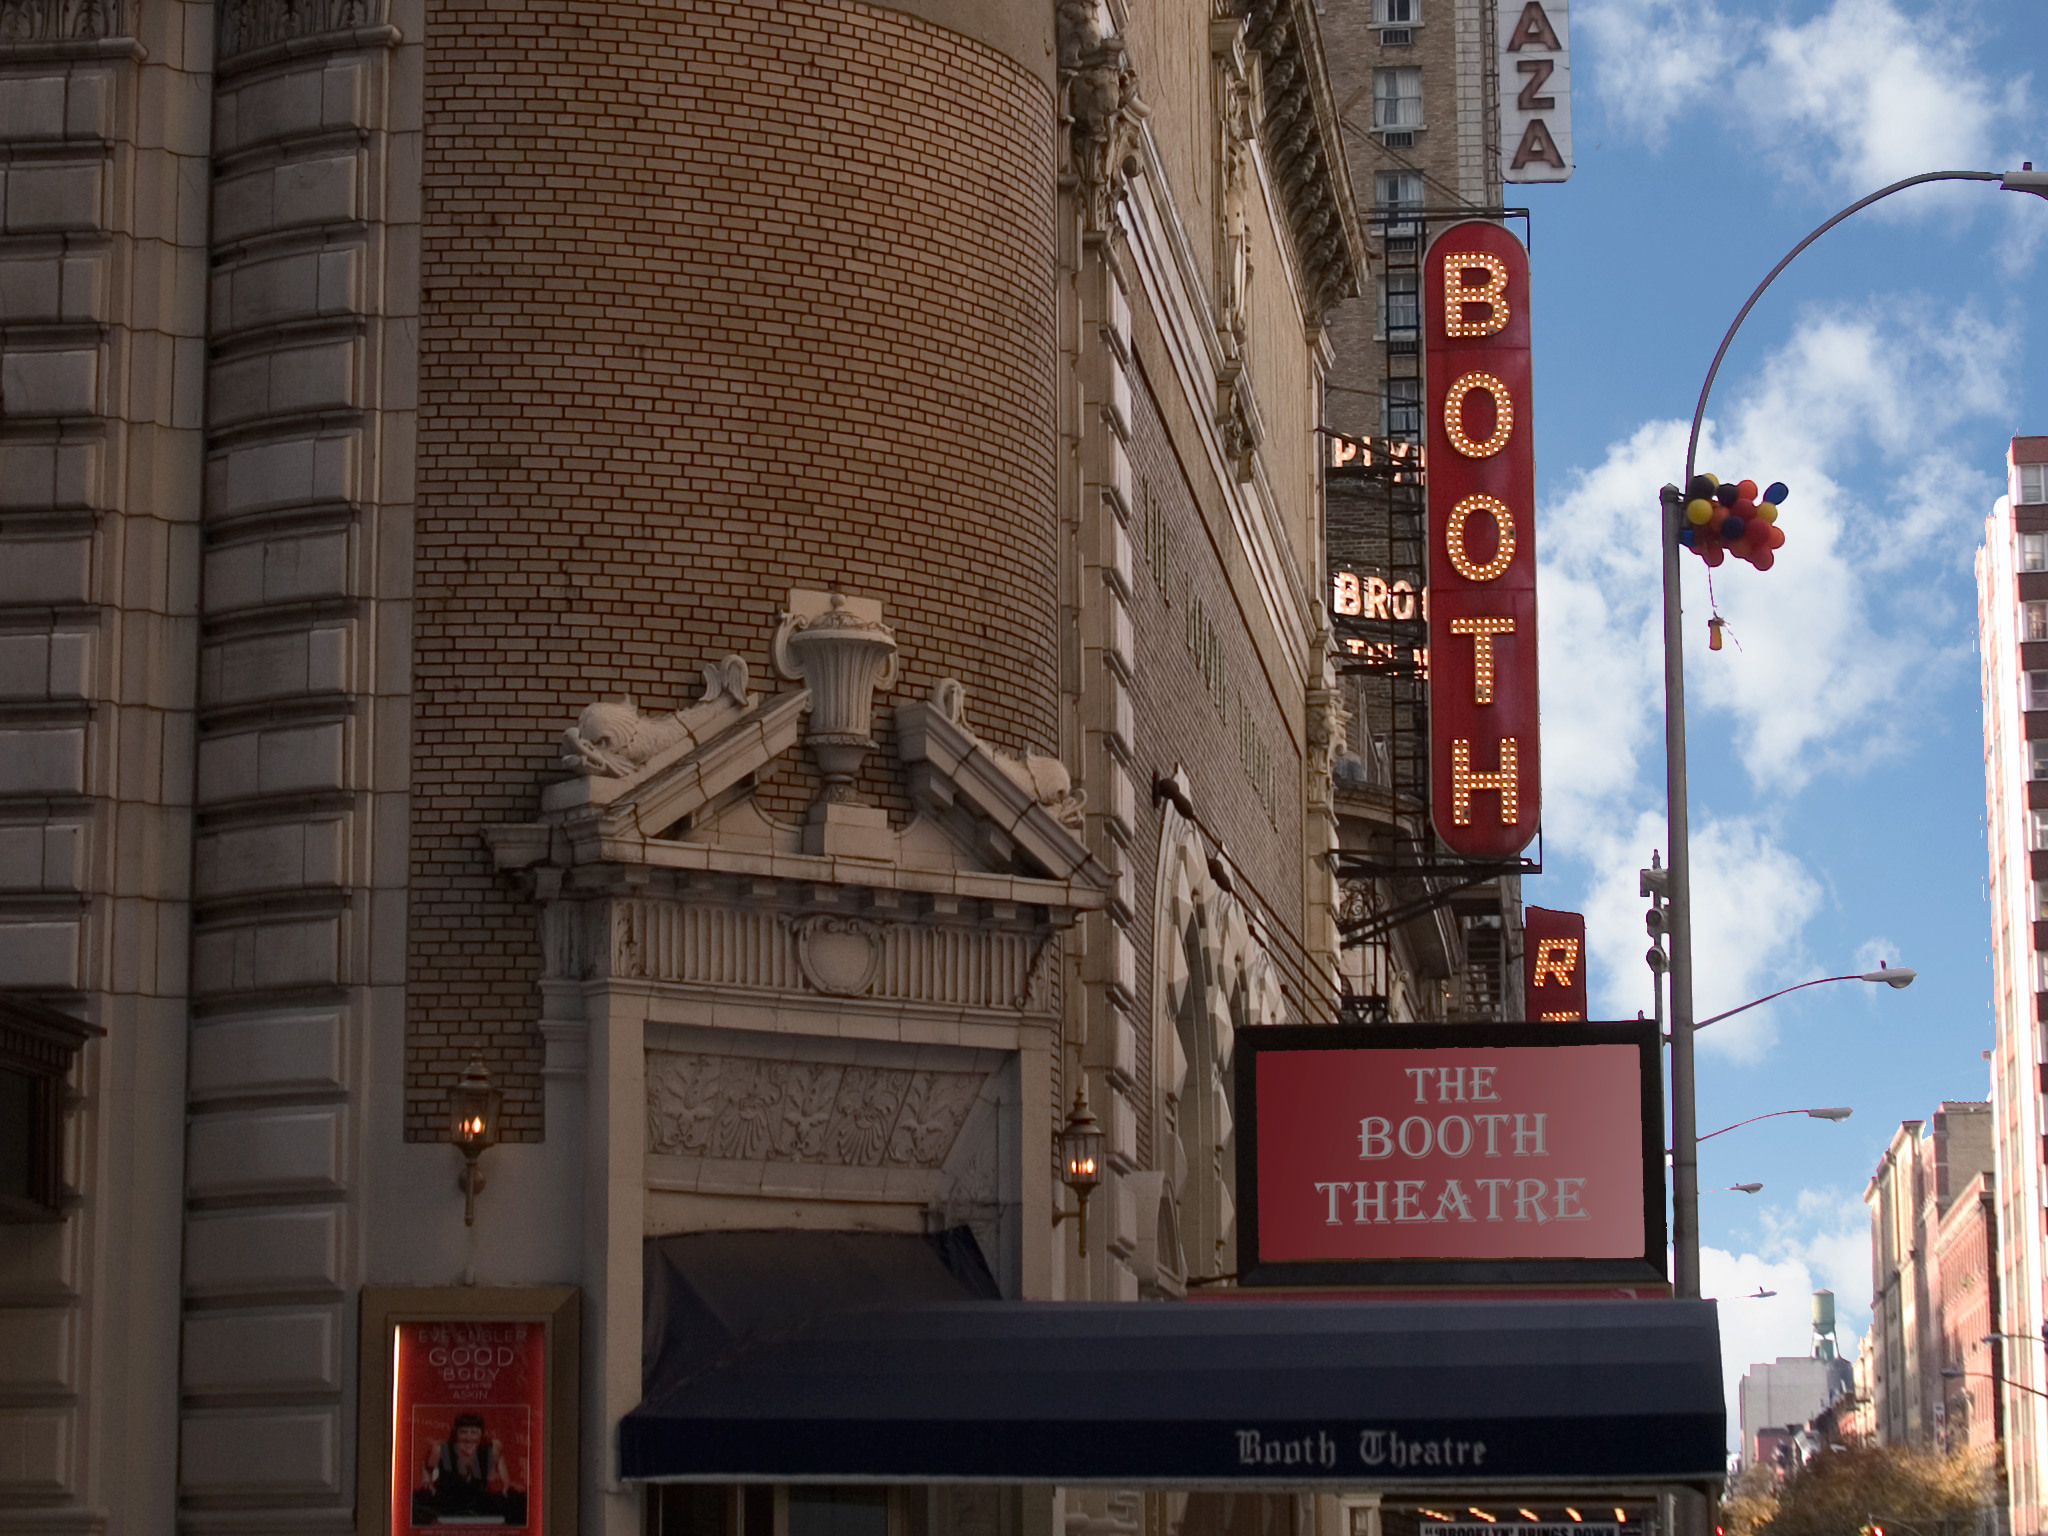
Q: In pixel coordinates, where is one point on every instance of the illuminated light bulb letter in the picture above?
(1348, 599)
(1464, 781)
(1454, 538)
(1482, 632)
(1454, 416)
(1493, 293)
(1559, 957)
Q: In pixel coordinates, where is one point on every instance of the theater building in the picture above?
(656, 659)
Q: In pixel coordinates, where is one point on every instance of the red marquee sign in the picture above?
(1554, 964)
(1450, 1154)
(1485, 754)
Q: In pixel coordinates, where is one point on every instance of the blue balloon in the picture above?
(1776, 492)
(1728, 494)
(1701, 487)
(1731, 528)
(1685, 536)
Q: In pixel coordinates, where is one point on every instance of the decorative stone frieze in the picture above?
(1101, 107)
(1327, 718)
(63, 21)
(1237, 418)
(1301, 137)
(969, 963)
(614, 740)
(250, 24)
(842, 655)
(845, 1115)
(1045, 779)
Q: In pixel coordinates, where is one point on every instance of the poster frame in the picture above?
(1648, 1269)
(556, 1307)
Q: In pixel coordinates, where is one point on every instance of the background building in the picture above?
(758, 573)
(1416, 87)
(1927, 1167)
(1774, 1401)
(2012, 634)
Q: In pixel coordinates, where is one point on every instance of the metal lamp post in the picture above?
(1685, 1191)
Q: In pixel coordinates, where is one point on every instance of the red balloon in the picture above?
(1746, 490)
(1714, 554)
(1763, 559)
(1745, 505)
(1777, 536)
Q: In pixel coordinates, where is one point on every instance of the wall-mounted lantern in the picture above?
(473, 1106)
(1080, 1147)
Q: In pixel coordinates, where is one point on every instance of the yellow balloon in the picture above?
(1698, 511)
(1768, 511)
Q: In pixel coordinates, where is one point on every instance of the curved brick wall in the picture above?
(716, 300)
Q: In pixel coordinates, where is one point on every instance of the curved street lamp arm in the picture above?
(1817, 981)
(1752, 1120)
(1699, 411)
(2000, 1381)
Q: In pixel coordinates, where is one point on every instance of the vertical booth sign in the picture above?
(1554, 964)
(1485, 759)
(469, 1411)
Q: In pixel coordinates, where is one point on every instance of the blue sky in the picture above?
(1836, 755)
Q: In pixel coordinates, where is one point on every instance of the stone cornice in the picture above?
(1301, 140)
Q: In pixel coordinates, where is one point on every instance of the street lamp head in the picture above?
(1891, 975)
(1837, 1112)
(2025, 179)
(1746, 1189)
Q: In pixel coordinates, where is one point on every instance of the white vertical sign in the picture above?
(1535, 90)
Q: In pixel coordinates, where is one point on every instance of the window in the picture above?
(2034, 551)
(2035, 625)
(2036, 694)
(1397, 98)
(2037, 759)
(37, 1047)
(1394, 193)
(1401, 306)
(1401, 410)
(1396, 13)
(2037, 830)
(2040, 900)
(2032, 479)
(2040, 971)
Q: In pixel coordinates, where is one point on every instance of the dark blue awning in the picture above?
(1381, 1394)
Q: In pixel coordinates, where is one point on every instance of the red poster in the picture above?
(1529, 1152)
(1554, 964)
(468, 1444)
(1485, 757)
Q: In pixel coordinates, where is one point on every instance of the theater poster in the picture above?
(469, 1425)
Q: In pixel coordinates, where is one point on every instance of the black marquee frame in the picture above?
(1253, 1272)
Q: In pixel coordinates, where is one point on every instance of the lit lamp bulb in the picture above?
(1081, 1156)
(473, 1106)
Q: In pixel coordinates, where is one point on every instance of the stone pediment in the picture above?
(677, 791)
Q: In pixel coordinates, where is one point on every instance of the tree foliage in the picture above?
(1908, 1492)
(1751, 1503)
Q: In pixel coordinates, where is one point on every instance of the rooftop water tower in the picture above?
(1823, 1325)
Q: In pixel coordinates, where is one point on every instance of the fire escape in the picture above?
(1455, 917)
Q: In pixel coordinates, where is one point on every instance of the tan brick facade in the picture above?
(717, 302)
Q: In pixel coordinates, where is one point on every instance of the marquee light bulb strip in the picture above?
(1493, 293)
(1454, 538)
(1482, 631)
(1454, 416)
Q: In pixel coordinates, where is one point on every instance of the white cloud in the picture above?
(1831, 646)
(1652, 55)
(1859, 95)
(1864, 94)
(1821, 1242)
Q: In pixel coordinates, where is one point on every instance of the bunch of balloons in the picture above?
(1729, 517)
